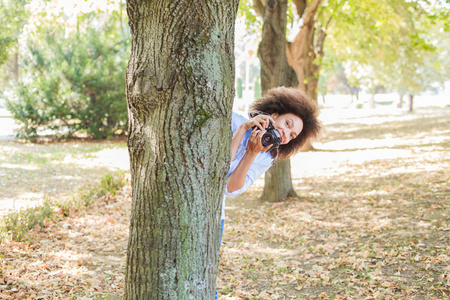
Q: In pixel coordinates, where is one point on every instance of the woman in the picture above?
(292, 113)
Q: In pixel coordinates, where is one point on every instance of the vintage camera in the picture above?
(272, 136)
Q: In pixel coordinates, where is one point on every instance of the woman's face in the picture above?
(289, 126)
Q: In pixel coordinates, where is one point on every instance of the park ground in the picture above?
(371, 221)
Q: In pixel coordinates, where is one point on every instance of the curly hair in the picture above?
(283, 100)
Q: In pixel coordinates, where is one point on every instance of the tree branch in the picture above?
(310, 12)
(301, 6)
(258, 6)
(328, 23)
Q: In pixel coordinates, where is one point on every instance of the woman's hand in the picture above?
(254, 144)
(260, 121)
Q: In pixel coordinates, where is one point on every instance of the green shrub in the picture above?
(19, 223)
(73, 82)
(110, 184)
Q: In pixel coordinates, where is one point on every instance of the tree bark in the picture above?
(302, 52)
(180, 89)
(278, 182)
(411, 102)
(305, 53)
(275, 72)
(15, 64)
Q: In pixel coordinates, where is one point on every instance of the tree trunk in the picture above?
(16, 65)
(305, 53)
(400, 100)
(275, 72)
(411, 102)
(306, 47)
(180, 90)
(278, 182)
(372, 100)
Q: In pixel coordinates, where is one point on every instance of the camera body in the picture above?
(271, 136)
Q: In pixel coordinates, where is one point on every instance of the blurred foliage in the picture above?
(73, 79)
(333, 79)
(400, 44)
(13, 16)
(246, 11)
(389, 43)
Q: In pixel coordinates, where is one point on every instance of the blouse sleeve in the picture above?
(236, 121)
(255, 171)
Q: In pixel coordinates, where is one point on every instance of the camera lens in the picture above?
(268, 138)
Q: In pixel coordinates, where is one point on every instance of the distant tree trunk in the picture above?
(278, 182)
(180, 90)
(275, 72)
(305, 53)
(307, 47)
(411, 102)
(372, 100)
(12, 65)
(400, 100)
(15, 63)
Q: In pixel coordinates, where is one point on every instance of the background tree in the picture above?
(305, 51)
(180, 89)
(275, 71)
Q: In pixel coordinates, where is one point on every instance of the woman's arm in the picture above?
(237, 179)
